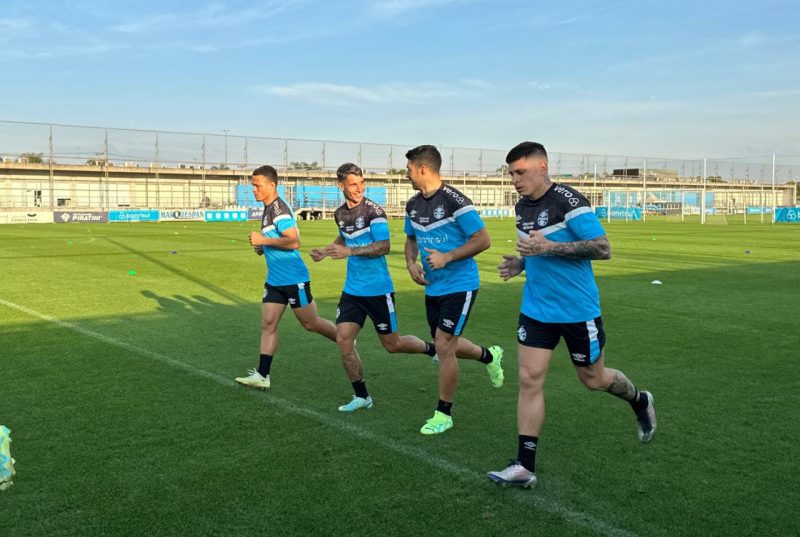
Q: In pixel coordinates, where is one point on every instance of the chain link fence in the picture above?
(51, 165)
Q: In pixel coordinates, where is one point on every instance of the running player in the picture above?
(443, 226)
(368, 290)
(287, 275)
(559, 236)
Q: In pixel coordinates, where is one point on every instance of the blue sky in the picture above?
(679, 79)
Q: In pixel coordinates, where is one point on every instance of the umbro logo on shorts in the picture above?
(522, 334)
(578, 357)
(448, 323)
(383, 326)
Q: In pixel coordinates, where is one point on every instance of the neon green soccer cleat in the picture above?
(6, 461)
(495, 367)
(254, 380)
(439, 423)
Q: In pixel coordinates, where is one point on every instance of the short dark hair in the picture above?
(525, 150)
(427, 155)
(268, 172)
(348, 168)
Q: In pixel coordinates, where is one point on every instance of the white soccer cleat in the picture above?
(254, 380)
(515, 475)
(357, 403)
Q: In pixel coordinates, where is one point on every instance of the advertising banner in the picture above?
(626, 213)
(147, 215)
(80, 217)
(788, 214)
(255, 213)
(759, 210)
(182, 214)
(226, 216)
(26, 217)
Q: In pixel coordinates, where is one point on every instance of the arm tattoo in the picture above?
(375, 249)
(598, 248)
(621, 386)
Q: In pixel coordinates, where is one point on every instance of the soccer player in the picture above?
(287, 275)
(368, 290)
(443, 226)
(559, 236)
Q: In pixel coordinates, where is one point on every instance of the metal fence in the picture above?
(109, 167)
(69, 144)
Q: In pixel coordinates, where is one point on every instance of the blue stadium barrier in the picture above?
(788, 214)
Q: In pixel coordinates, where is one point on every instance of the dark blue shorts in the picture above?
(585, 340)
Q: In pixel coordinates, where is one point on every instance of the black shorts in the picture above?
(449, 313)
(297, 295)
(585, 340)
(355, 309)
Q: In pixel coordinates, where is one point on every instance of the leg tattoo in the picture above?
(622, 387)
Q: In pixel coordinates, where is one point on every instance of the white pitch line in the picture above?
(576, 518)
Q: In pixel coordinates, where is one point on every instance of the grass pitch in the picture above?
(125, 421)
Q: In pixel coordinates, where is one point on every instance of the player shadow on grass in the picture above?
(178, 304)
(181, 273)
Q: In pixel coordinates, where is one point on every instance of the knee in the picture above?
(591, 381)
(391, 346)
(311, 326)
(268, 326)
(344, 342)
(530, 378)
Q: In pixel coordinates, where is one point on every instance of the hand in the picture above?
(417, 274)
(256, 238)
(317, 254)
(436, 259)
(510, 266)
(337, 251)
(534, 244)
(259, 250)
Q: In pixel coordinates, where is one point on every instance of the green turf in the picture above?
(125, 420)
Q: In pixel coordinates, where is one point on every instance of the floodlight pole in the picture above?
(158, 183)
(703, 198)
(644, 193)
(50, 167)
(105, 143)
(226, 131)
(774, 195)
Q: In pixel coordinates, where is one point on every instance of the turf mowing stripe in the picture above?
(523, 497)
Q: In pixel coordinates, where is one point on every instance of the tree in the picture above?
(502, 170)
(304, 165)
(33, 158)
(395, 171)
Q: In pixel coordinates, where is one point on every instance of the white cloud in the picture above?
(476, 83)
(212, 15)
(752, 39)
(541, 86)
(11, 25)
(392, 8)
(347, 95)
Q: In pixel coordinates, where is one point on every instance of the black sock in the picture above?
(430, 349)
(444, 407)
(526, 452)
(360, 387)
(265, 364)
(486, 356)
(639, 402)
